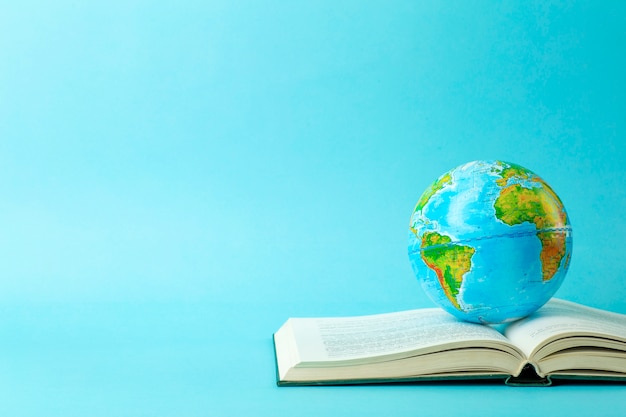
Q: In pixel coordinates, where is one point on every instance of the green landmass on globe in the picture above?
(450, 262)
(492, 209)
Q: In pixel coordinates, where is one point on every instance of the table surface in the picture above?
(196, 359)
(177, 180)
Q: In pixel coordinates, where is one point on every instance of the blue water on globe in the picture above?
(490, 241)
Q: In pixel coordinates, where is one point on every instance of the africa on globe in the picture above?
(490, 242)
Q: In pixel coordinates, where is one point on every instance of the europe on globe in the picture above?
(490, 242)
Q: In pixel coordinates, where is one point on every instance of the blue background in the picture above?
(179, 178)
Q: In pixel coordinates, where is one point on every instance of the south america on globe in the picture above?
(490, 242)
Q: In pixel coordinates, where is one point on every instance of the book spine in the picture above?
(528, 377)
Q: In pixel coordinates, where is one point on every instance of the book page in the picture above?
(335, 339)
(562, 318)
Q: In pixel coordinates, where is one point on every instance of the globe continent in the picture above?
(490, 241)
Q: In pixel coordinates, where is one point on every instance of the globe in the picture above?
(490, 242)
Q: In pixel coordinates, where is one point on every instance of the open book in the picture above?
(561, 339)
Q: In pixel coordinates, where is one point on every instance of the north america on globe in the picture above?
(490, 241)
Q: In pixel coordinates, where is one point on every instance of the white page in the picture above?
(561, 317)
(325, 339)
